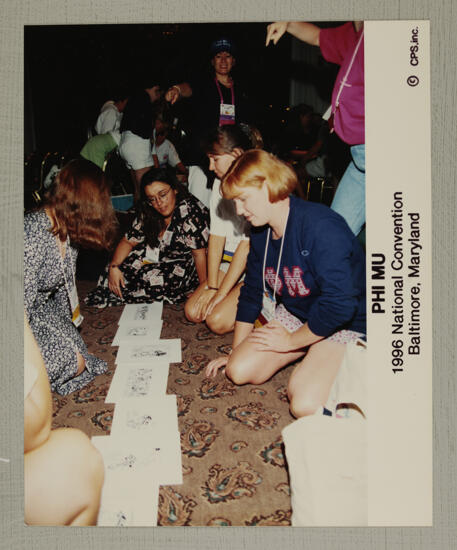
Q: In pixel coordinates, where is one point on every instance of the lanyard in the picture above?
(70, 297)
(279, 259)
(344, 81)
(220, 91)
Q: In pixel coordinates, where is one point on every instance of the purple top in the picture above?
(338, 46)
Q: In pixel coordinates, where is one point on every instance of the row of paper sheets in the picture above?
(143, 450)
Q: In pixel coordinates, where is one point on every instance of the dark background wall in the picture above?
(71, 70)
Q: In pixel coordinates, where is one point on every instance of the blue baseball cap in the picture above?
(222, 45)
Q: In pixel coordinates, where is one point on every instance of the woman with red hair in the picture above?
(77, 212)
(305, 283)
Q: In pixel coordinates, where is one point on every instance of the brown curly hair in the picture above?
(80, 206)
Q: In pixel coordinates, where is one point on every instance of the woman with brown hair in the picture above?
(77, 212)
(162, 257)
(216, 299)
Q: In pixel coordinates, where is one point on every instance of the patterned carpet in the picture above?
(233, 462)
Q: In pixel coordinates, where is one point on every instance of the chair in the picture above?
(36, 170)
(315, 189)
(321, 185)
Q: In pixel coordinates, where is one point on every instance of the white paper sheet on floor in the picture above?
(143, 450)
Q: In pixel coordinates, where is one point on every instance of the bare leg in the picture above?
(222, 318)
(63, 479)
(81, 363)
(190, 308)
(311, 381)
(248, 365)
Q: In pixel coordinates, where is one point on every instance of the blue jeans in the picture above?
(349, 199)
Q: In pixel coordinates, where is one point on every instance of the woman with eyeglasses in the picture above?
(163, 255)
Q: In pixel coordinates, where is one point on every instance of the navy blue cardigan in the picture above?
(322, 273)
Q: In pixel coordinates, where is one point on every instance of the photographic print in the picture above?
(326, 152)
(231, 454)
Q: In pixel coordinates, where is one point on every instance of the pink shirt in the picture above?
(338, 46)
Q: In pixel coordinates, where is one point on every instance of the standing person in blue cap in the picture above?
(217, 100)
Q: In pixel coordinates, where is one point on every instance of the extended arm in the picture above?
(178, 91)
(306, 32)
(115, 276)
(235, 270)
(215, 251)
(199, 256)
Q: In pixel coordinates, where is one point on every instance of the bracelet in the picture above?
(178, 88)
(114, 265)
(211, 288)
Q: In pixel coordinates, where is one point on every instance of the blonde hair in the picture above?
(254, 168)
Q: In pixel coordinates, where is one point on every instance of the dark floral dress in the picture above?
(167, 273)
(48, 310)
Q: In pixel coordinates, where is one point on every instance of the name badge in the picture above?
(76, 317)
(156, 280)
(179, 271)
(226, 114)
(268, 307)
(152, 255)
(166, 239)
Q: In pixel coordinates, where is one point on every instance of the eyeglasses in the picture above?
(159, 197)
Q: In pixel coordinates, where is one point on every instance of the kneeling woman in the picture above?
(163, 255)
(216, 300)
(77, 212)
(305, 273)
